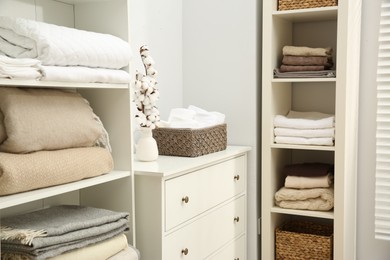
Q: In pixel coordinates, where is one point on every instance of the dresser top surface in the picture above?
(167, 166)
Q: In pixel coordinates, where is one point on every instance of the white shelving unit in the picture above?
(339, 28)
(111, 102)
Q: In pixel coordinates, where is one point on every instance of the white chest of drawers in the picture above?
(192, 208)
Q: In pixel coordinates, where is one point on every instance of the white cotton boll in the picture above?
(152, 126)
(149, 91)
(152, 118)
(141, 97)
(148, 112)
(137, 84)
(145, 85)
(148, 60)
(148, 123)
(138, 76)
(151, 72)
(153, 97)
(146, 101)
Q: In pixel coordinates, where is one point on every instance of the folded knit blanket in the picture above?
(301, 182)
(52, 231)
(101, 250)
(293, 68)
(311, 199)
(24, 172)
(20, 68)
(45, 119)
(308, 133)
(305, 74)
(326, 141)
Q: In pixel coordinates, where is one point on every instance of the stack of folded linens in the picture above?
(307, 186)
(302, 61)
(49, 137)
(304, 128)
(65, 232)
(41, 51)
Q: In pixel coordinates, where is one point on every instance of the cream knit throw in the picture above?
(24, 172)
(311, 199)
(45, 119)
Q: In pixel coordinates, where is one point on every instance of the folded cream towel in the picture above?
(24, 172)
(306, 51)
(301, 182)
(304, 120)
(311, 199)
(46, 119)
(326, 141)
(308, 133)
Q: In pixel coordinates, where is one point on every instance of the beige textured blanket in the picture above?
(24, 172)
(45, 119)
(311, 199)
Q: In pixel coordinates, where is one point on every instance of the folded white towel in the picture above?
(301, 182)
(193, 117)
(307, 133)
(61, 46)
(327, 141)
(304, 120)
(84, 74)
(11, 68)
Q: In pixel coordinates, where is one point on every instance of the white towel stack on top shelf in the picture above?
(305, 128)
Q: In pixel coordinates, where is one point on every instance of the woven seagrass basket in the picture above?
(190, 142)
(303, 4)
(304, 240)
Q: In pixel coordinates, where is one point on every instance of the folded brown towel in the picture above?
(307, 60)
(308, 169)
(306, 51)
(290, 68)
(24, 172)
(45, 119)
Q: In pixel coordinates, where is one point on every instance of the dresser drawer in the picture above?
(191, 194)
(233, 251)
(201, 238)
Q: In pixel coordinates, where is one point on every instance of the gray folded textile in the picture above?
(58, 229)
(305, 74)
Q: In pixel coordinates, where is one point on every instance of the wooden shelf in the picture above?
(292, 80)
(309, 14)
(305, 213)
(24, 197)
(303, 147)
(58, 84)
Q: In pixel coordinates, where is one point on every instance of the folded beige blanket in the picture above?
(101, 250)
(312, 199)
(130, 253)
(307, 60)
(306, 51)
(24, 172)
(45, 119)
(292, 68)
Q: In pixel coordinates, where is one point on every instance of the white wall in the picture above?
(158, 24)
(367, 246)
(220, 74)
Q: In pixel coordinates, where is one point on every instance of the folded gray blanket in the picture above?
(45, 119)
(305, 74)
(52, 231)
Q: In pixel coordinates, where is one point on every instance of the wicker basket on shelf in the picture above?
(303, 4)
(304, 240)
(190, 142)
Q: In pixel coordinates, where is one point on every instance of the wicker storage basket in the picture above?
(302, 4)
(190, 142)
(304, 240)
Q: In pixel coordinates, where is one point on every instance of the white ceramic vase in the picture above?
(146, 149)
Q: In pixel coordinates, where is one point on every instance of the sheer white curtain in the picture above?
(382, 193)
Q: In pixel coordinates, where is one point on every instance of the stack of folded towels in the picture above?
(301, 61)
(66, 232)
(307, 186)
(49, 137)
(192, 117)
(48, 52)
(304, 128)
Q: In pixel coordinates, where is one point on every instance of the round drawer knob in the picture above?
(237, 258)
(237, 219)
(184, 251)
(236, 177)
(185, 199)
